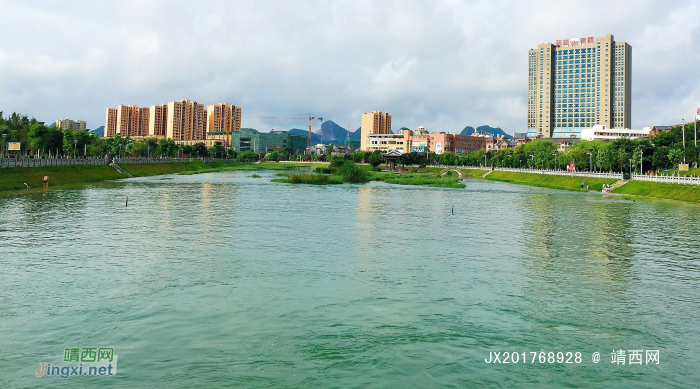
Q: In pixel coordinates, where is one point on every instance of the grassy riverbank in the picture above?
(421, 179)
(550, 181)
(13, 179)
(661, 190)
(156, 169)
(235, 166)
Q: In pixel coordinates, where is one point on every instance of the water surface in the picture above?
(223, 280)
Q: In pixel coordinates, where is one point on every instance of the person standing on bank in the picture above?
(46, 182)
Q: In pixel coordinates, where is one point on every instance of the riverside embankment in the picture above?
(688, 193)
(14, 179)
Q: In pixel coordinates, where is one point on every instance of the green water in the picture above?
(221, 280)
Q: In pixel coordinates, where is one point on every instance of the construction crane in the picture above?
(310, 118)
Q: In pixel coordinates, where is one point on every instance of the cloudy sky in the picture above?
(440, 64)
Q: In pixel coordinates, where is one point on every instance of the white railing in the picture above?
(139, 161)
(617, 176)
(39, 162)
(687, 180)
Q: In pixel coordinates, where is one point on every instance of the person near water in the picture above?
(46, 182)
(582, 184)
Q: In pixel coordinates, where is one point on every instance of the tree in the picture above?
(200, 150)
(188, 150)
(248, 156)
(272, 156)
(637, 158)
(622, 159)
(68, 140)
(603, 159)
(375, 159)
(675, 156)
(167, 147)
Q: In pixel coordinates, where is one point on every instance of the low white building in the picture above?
(63, 124)
(602, 132)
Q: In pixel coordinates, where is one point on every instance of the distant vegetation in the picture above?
(550, 181)
(661, 190)
(341, 171)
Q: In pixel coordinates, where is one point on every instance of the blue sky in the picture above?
(440, 64)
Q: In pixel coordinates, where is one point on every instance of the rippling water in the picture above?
(222, 280)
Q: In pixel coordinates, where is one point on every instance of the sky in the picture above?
(443, 65)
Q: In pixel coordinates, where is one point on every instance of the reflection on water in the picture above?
(225, 280)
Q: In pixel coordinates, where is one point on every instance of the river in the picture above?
(224, 280)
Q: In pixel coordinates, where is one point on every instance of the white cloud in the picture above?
(444, 64)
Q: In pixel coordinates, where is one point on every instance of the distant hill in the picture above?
(469, 130)
(100, 131)
(315, 138)
(332, 133)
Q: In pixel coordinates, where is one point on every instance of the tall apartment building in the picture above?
(374, 122)
(111, 123)
(578, 83)
(182, 121)
(223, 118)
(143, 121)
(158, 117)
(179, 123)
(63, 124)
(199, 121)
(186, 121)
(127, 120)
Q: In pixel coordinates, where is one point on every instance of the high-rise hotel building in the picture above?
(375, 122)
(578, 83)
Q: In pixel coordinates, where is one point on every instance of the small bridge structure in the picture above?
(451, 169)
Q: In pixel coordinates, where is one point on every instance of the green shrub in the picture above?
(324, 170)
(310, 178)
(337, 161)
(349, 172)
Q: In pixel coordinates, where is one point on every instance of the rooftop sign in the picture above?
(575, 41)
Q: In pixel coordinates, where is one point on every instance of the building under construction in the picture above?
(259, 142)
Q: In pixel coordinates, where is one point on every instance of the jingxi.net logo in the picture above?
(86, 361)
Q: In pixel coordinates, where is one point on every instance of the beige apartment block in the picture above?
(178, 120)
(374, 122)
(237, 113)
(63, 124)
(111, 123)
(127, 120)
(223, 117)
(578, 83)
(158, 117)
(143, 120)
(199, 121)
(179, 123)
(186, 121)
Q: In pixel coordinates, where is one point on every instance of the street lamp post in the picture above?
(631, 167)
(75, 147)
(590, 157)
(532, 158)
(696, 139)
(641, 159)
(556, 165)
(683, 140)
(3, 145)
